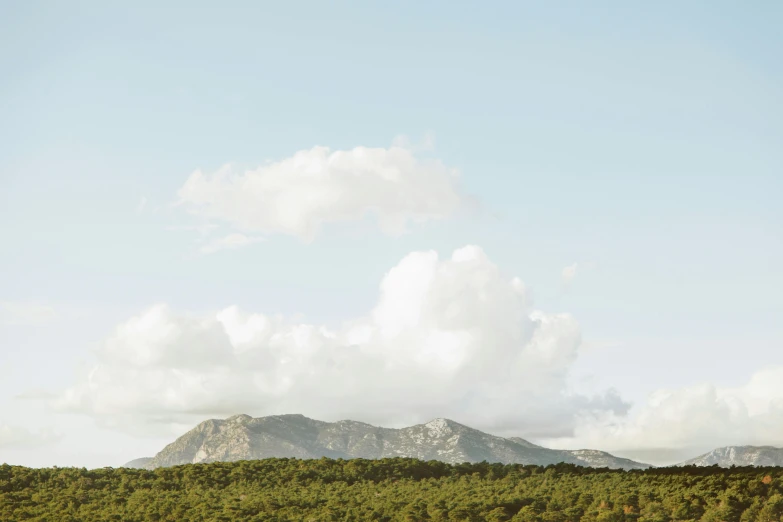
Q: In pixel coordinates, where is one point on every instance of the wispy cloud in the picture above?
(18, 437)
(25, 313)
(426, 144)
(203, 230)
(229, 242)
(34, 395)
(568, 274)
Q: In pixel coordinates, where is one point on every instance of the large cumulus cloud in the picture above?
(448, 337)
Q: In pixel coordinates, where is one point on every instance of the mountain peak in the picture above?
(240, 418)
(441, 424)
(438, 423)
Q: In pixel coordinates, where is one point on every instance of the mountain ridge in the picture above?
(727, 456)
(242, 437)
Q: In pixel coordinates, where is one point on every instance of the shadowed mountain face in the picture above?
(243, 438)
(739, 456)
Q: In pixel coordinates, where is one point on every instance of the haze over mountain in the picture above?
(243, 437)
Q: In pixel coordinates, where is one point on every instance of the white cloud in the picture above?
(448, 337)
(703, 415)
(299, 194)
(141, 205)
(25, 313)
(17, 437)
(229, 242)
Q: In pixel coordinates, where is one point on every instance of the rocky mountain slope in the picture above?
(242, 437)
(739, 456)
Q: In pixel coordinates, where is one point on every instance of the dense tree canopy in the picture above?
(390, 490)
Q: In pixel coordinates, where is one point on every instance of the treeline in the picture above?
(389, 490)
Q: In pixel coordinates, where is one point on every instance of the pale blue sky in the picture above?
(640, 141)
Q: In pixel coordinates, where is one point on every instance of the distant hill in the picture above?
(242, 437)
(138, 463)
(739, 456)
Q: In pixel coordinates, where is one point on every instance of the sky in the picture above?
(559, 221)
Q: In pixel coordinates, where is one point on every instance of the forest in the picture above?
(397, 489)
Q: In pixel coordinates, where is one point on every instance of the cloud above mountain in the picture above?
(299, 194)
(702, 414)
(447, 337)
(453, 337)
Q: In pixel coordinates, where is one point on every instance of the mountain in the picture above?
(243, 437)
(739, 456)
(138, 463)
